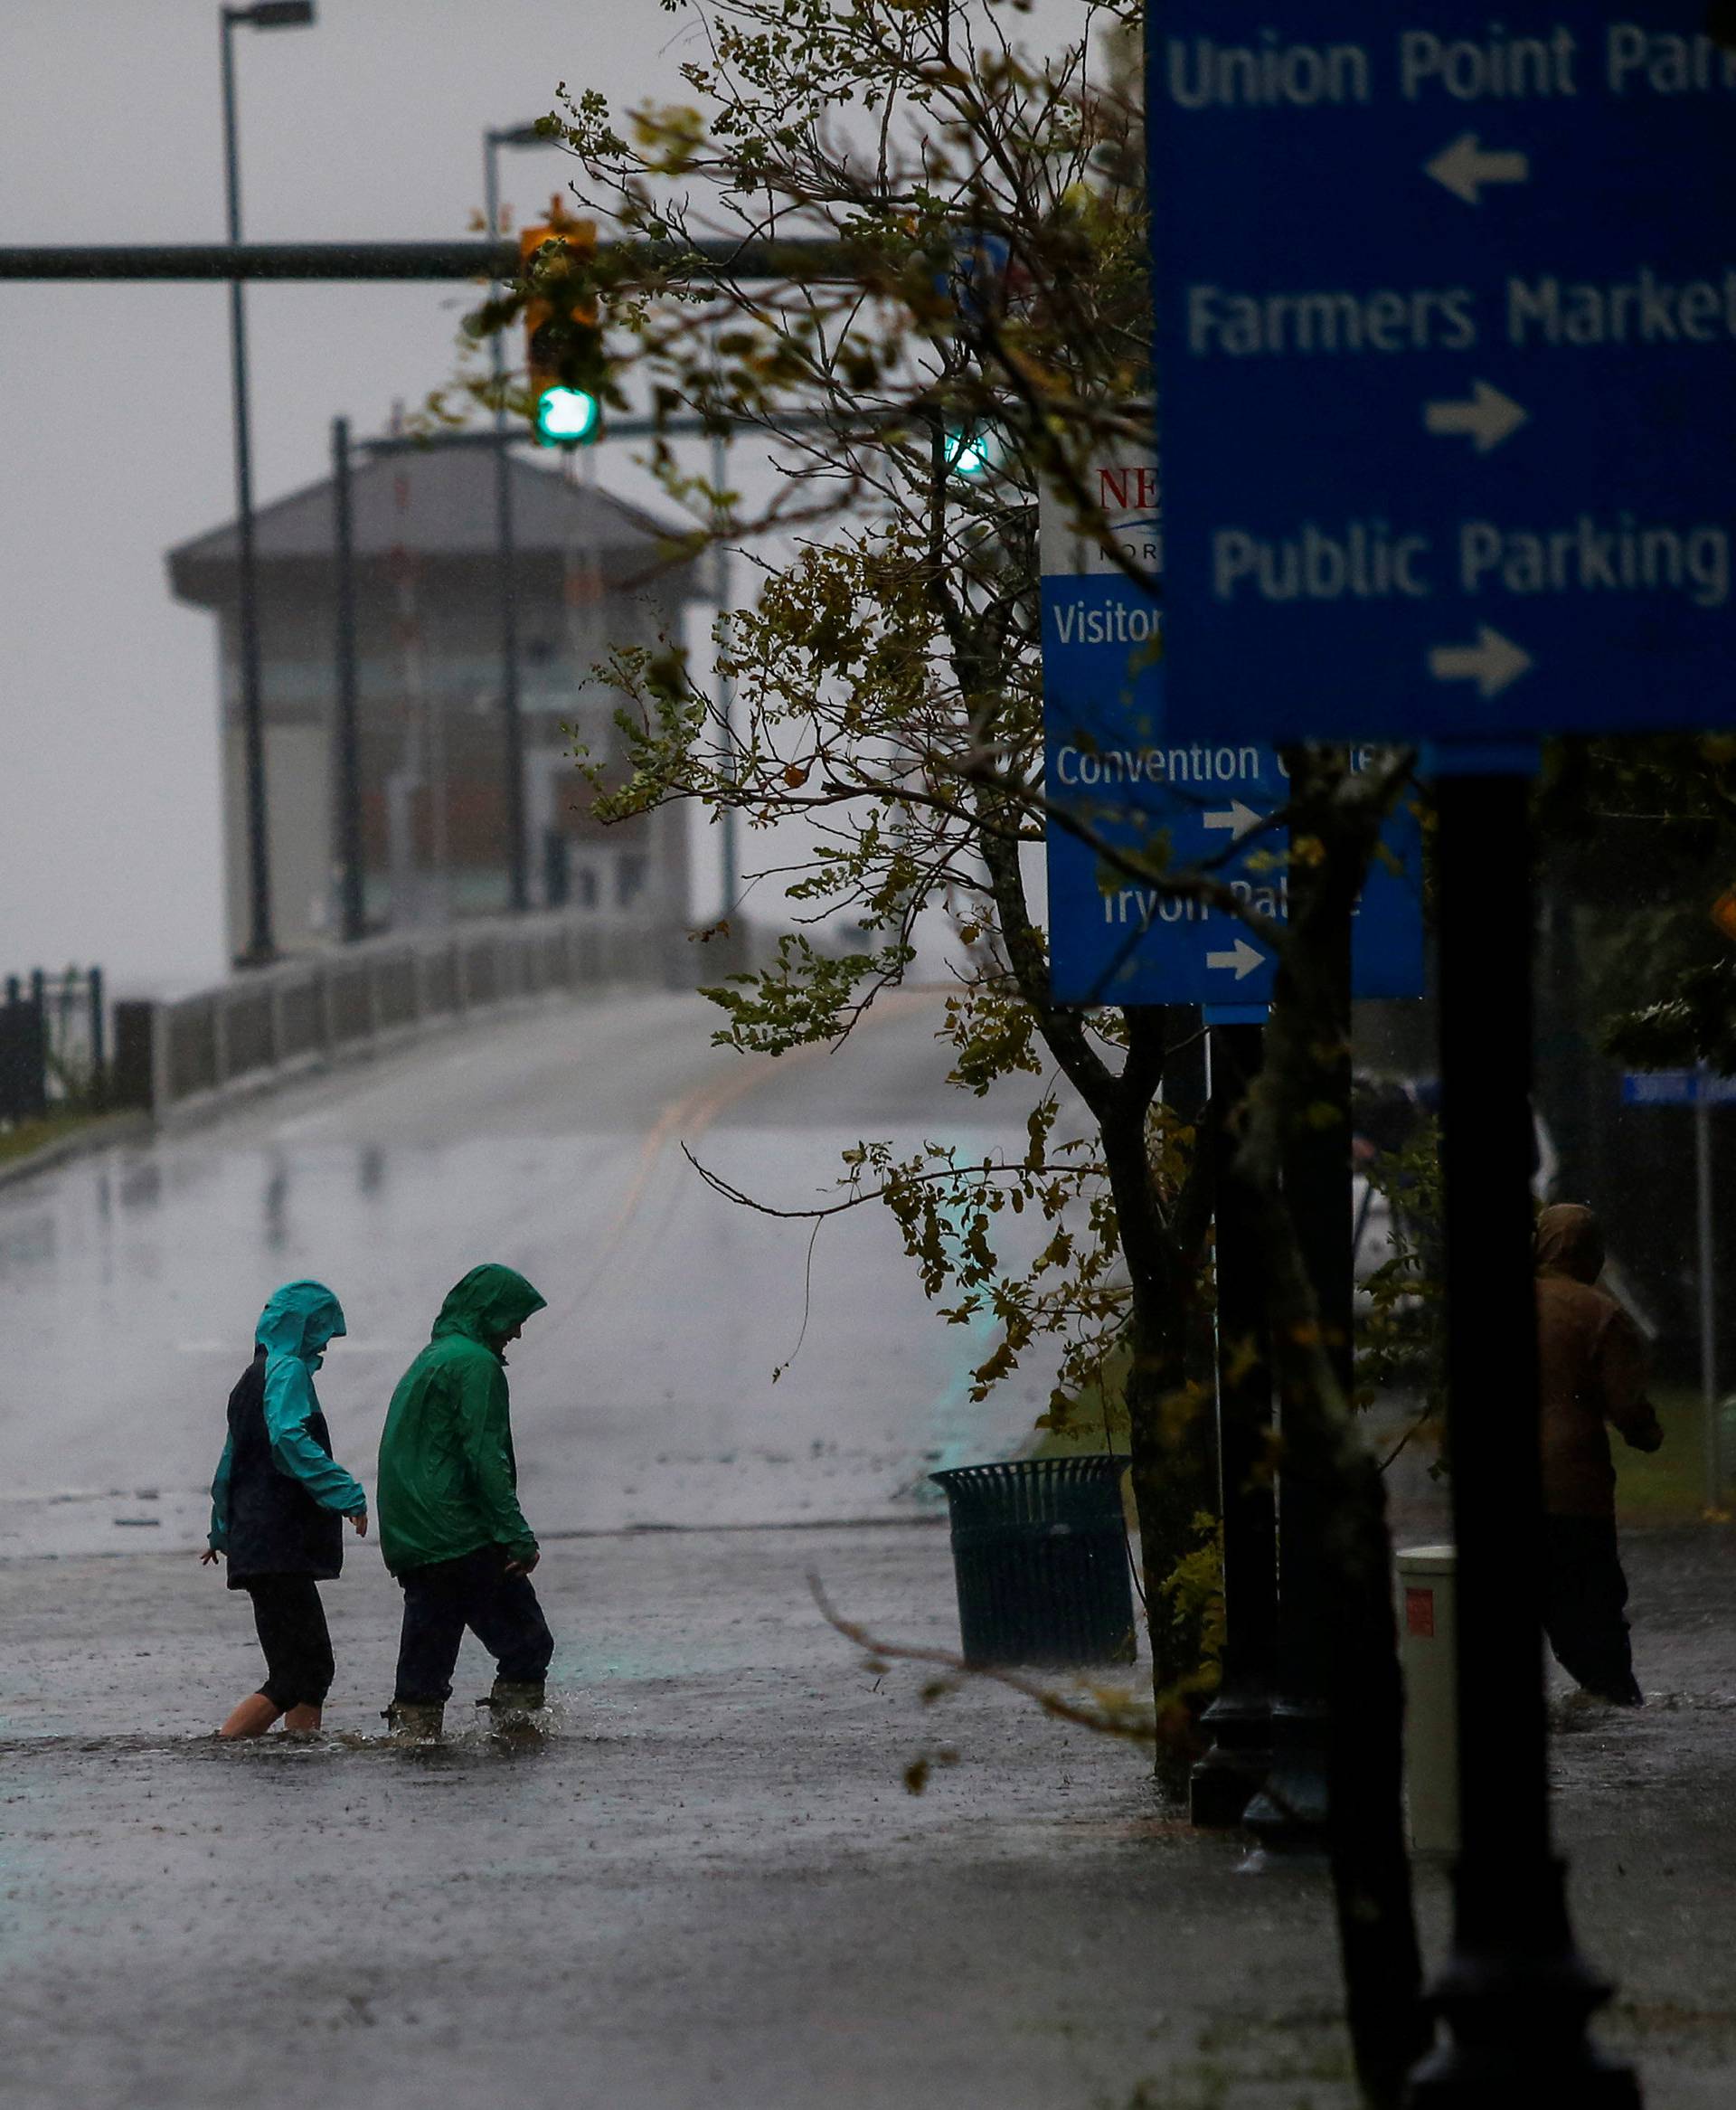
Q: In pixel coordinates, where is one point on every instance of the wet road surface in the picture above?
(129, 1280)
(705, 1883)
(705, 1887)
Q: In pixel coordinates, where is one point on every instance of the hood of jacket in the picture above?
(298, 1321)
(1568, 1240)
(487, 1304)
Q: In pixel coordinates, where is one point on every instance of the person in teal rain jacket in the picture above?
(450, 1527)
(277, 1505)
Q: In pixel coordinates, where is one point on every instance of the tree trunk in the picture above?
(1172, 1437)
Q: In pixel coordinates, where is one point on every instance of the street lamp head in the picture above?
(520, 135)
(275, 14)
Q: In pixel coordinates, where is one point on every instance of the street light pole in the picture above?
(505, 557)
(353, 886)
(725, 683)
(1516, 1991)
(261, 945)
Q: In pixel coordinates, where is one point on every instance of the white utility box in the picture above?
(1429, 1650)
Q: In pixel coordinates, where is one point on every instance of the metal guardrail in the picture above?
(177, 1052)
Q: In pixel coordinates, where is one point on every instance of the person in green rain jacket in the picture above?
(277, 1505)
(450, 1527)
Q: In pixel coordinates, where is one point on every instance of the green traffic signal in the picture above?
(973, 451)
(566, 417)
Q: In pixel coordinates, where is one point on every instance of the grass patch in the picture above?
(1664, 1487)
(1097, 1421)
(26, 1136)
(1669, 1486)
(1097, 1417)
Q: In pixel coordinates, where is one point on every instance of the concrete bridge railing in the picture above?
(176, 1054)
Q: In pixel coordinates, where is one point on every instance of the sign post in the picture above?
(1708, 1306)
(1516, 1991)
(1444, 333)
(1292, 1811)
(1229, 1773)
(1702, 1090)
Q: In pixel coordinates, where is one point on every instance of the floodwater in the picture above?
(701, 1883)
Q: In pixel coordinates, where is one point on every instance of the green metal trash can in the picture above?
(1040, 1551)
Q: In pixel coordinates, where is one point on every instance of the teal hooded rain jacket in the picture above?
(293, 1329)
(449, 1482)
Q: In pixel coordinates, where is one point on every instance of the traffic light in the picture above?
(973, 451)
(564, 335)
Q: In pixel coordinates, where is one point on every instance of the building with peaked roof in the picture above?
(593, 574)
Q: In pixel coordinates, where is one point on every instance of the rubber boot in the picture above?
(513, 1701)
(415, 1721)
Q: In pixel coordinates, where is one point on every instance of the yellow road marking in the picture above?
(690, 1115)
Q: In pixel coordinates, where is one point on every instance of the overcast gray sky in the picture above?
(115, 409)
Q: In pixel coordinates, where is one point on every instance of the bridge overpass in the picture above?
(550, 1139)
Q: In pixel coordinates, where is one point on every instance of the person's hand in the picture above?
(359, 1518)
(209, 1558)
(522, 1567)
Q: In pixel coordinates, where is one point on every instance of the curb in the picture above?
(96, 1135)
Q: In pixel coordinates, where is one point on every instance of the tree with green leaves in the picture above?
(1641, 837)
(965, 326)
(982, 332)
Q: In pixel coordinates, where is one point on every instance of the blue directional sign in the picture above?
(1678, 1088)
(1207, 802)
(1446, 306)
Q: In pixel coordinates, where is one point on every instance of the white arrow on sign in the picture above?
(1238, 817)
(1488, 415)
(1464, 169)
(1244, 959)
(1492, 663)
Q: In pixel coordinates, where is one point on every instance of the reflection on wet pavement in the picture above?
(129, 1280)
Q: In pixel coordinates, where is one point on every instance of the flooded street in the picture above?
(703, 1881)
(131, 1280)
(706, 1884)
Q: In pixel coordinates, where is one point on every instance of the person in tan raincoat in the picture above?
(1591, 1375)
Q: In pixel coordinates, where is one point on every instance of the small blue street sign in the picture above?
(1445, 344)
(1678, 1088)
(1207, 802)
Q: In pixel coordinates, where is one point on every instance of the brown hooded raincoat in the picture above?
(1591, 1367)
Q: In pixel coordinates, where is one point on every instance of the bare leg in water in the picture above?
(257, 1713)
(254, 1716)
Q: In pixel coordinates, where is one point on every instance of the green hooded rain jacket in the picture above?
(449, 1483)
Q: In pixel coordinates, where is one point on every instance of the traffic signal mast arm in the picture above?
(570, 387)
(739, 262)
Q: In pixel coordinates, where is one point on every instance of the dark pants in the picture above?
(291, 1623)
(441, 1599)
(1584, 1591)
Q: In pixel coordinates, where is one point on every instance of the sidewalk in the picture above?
(709, 1886)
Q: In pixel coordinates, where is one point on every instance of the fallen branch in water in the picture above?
(1116, 1713)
